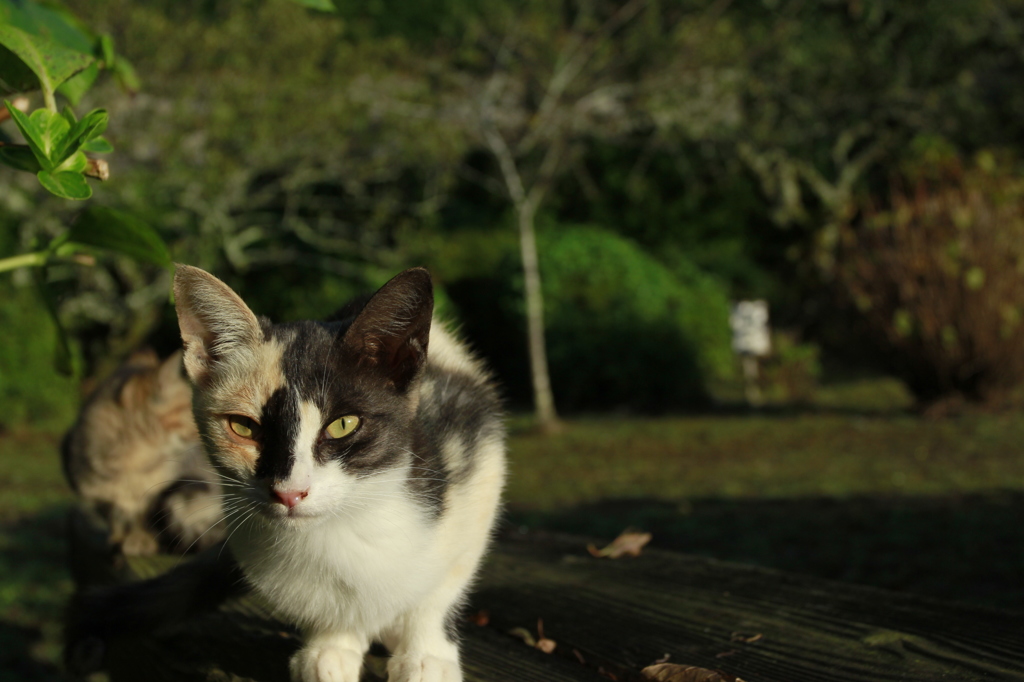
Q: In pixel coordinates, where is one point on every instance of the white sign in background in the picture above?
(751, 334)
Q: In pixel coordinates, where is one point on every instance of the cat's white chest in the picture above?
(358, 572)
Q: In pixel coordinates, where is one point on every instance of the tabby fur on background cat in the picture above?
(366, 459)
(134, 458)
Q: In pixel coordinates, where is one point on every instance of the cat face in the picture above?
(302, 416)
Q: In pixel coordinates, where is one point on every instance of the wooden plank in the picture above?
(243, 643)
(225, 647)
(491, 655)
(757, 624)
(620, 616)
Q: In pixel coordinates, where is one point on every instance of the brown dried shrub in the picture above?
(936, 272)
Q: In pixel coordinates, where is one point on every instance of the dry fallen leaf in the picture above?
(672, 672)
(543, 643)
(540, 642)
(523, 634)
(629, 543)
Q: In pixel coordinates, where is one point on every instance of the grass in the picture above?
(856, 489)
(773, 457)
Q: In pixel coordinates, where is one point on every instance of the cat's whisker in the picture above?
(410, 452)
(223, 519)
(228, 479)
(392, 498)
(179, 537)
(254, 509)
(220, 498)
(211, 505)
(378, 516)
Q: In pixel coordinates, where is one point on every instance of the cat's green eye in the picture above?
(243, 426)
(339, 428)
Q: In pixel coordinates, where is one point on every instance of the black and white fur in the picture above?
(385, 527)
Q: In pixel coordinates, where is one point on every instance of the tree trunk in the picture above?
(543, 399)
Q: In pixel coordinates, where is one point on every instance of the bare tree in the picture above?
(539, 90)
(546, 94)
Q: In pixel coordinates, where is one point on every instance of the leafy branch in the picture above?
(44, 49)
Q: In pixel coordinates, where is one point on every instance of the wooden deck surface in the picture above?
(611, 618)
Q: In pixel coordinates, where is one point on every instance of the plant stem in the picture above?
(50, 99)
(23, 261)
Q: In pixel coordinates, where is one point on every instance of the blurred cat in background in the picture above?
(135, 460)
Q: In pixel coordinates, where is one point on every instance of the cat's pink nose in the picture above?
(289, 498)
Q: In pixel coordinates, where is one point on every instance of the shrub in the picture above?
(622, 330)
(31, 390)
(936, 272)
(791, 372)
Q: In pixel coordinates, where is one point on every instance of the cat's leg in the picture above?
(330, 657)
(128, 532)
(139, 542)
(423, 649)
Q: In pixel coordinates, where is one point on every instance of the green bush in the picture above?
(623, 331)
(31, 390)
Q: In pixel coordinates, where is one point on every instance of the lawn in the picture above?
(876, 496)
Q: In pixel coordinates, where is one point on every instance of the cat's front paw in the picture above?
(326, 664)
(139, 542)
(423, 668)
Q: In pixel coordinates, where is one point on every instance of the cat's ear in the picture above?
(392, 330)
(168, 375)
(170, 369)
(214, 321)
(143, 358)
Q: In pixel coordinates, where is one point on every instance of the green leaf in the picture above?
(51, 63)
(15, 76)
(33, 136)
(100, 145)
(49, 21)
(75, 87)
(322, 5)
(69, 115)
(76, 163)
(21, 158)
(107, 50)
(107, 228)
(125, 75)
(91, 126)
(974, 278)
(52, 129)
(66, 184)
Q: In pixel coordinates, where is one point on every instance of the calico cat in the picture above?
(134, 458)
(366, 460)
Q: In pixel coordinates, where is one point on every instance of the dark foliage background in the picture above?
(306, 156)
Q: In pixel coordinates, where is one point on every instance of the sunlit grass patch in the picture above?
(793, 455)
